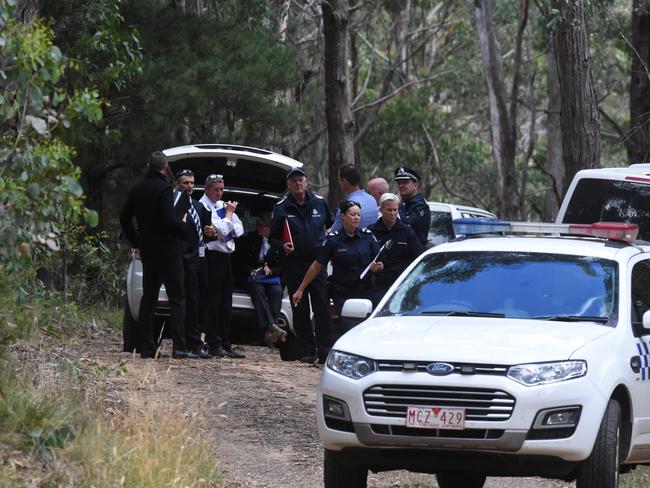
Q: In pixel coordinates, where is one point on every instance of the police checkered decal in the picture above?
(644, 354)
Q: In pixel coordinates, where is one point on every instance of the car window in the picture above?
(513, 285)
(640, 290)
(597, 200)
(440, 230)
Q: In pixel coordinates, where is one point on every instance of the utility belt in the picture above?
(336, 290)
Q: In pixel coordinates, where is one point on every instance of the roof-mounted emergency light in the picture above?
(606, 230)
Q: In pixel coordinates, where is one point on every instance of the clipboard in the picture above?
(286, 233)
(386, 245)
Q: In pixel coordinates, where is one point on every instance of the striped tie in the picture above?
(197, 222)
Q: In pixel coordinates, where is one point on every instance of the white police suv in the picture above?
(500, 355)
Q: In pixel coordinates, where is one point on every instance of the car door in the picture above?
(640, 303)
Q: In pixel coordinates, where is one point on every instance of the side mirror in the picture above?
(359, 309)
(646, 322)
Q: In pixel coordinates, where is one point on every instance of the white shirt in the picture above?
(226, 228)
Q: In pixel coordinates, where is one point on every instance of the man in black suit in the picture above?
(195, 264)
(156, 241)
(261, 258)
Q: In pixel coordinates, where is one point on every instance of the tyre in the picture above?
(338, 475)
(454, 480)
(601, 468)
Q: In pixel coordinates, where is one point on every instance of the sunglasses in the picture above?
(347, 204)
(212, 178)
(184, 172)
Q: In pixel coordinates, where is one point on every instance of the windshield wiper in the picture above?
(462, 313)
(572, 318)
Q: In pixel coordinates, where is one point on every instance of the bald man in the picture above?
(377, 187)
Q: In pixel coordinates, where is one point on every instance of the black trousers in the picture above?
(196, 285)
(311, 339)
(219, 296)
(267, 299)
(154, 273)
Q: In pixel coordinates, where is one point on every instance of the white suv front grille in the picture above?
(479, 403)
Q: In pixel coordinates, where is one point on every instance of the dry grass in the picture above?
(60, 428)
(150, 443)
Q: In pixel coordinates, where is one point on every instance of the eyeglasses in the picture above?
(212, 178)
(347, 204)
(184, 172)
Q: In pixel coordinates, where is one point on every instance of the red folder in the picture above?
(286, 233)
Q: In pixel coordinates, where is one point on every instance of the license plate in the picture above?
(435, 418)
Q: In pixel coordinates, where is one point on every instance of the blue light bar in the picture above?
(469, 226)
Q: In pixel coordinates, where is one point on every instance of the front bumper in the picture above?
(511, 436)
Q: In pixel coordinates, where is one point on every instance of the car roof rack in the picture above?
(616, 231)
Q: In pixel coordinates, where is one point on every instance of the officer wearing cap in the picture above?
(414, 209)
(300, 220)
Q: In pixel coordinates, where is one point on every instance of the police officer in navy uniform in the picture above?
(414, 209)
(194, 261)
(351, 251)
(405, 245)
(306, 216)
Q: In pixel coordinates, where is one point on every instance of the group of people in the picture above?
(187, 245)
(373, 237)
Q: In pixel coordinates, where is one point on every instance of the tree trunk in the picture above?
(554, 133)
(579, 115)
(638, 141)
(502, 127)
(26, 10)
(341, 126)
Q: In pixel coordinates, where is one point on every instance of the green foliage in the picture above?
(31, 420)
(38, 180)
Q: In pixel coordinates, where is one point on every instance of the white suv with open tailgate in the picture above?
(256, 178)
(498, 355)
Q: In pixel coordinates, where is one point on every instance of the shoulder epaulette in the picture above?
(332, 233)
(366, 230)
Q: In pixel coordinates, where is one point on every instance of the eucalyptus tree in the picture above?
(341, 126)
(638, 140)
(579, 116)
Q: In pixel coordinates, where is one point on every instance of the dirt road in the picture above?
(261, 411)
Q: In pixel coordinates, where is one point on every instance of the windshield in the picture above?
(510, 285)
(440, 230)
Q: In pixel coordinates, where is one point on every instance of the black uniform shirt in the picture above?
(349, 255)
(307, 223)
(404, 249)
(415, 212)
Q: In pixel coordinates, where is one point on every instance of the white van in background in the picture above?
(609, 195)
(442, 214)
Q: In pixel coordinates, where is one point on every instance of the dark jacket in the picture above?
(248, 254)
(415, 212)
(158, 229)
(189, 240)
(404, 249)
(307, 223)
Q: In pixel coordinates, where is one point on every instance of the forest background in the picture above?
(496, 103)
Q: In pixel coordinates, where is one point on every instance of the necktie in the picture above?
(264, 248)
(197, 222)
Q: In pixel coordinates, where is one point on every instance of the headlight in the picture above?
(350, 365)
(544, 373)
